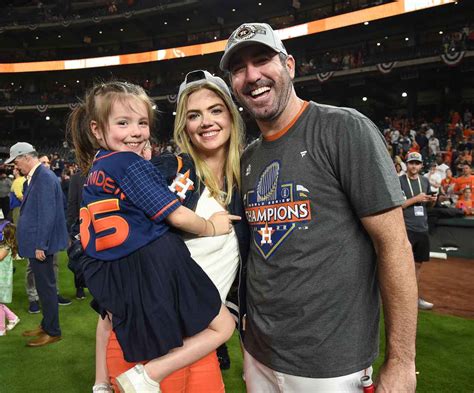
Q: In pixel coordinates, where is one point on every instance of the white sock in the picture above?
(149, 380)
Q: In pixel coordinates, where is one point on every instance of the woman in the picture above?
(206, 178)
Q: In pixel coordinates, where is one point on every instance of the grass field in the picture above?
(445, 349)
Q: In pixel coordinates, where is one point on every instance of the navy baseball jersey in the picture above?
(124, 203)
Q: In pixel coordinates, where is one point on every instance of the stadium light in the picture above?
(47, 118)
(174, 113)
(364, 99)
(404, 94)
(366, 23)
(240, 109)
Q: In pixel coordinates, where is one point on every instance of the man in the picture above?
(30, 286)
(466, 180)
(16, 194)
(41, 233)
(417, 192)
(441, 166)
(320, 192)
(57, 164)
(5, 187)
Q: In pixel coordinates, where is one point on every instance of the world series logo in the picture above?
(274, 209)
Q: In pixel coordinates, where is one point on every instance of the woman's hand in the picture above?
(222, 222)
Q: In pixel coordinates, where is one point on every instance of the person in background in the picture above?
(16, 194)
(465, 204)
(434, 179)
(8, 251)
(41, 234)
(30, 286)
(417, 192)
(74, 200)
(5, 187)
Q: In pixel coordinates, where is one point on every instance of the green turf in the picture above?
(445, 350)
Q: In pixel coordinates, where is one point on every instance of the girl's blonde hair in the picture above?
(234, 148)
(9, 238)
(97, 106)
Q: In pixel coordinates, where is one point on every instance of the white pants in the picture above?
(261, 379)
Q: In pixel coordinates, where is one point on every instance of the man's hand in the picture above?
(424, 198)
(40, 255)
(396, 377)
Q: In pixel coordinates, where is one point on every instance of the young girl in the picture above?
(140, 273)
(8, 249)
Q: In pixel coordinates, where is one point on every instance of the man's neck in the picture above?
(274, 126)
(412, 176)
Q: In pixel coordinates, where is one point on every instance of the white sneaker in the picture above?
(135, 380)
(102, 387)
(424, 305)
(13, 323)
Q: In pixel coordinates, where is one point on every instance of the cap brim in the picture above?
(11, 159)
(224, 63)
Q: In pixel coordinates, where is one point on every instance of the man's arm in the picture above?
(420, 198)
(398, 287)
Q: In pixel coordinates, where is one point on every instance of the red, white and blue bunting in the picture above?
(10, 108)
(73, 105)
(453, 58)
(42, 108)
(386, 68)
(324, 76)
(172, 98)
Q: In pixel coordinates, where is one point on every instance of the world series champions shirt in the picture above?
(124, 204)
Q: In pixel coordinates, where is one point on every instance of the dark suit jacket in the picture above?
(74, 200)
(42, 225)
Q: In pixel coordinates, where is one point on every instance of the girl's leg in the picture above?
(194, 348)
(11, 316)
(104, 327)
(2, 319)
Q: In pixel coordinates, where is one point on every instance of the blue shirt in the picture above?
(124, 204)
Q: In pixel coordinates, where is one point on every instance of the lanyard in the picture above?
(411, 189)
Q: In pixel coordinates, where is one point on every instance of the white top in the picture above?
(441, 170)
(218, 256)
(435, 180)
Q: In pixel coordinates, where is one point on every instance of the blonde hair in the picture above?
(234, 148)
(97, 106)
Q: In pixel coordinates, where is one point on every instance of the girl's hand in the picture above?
(222, 222)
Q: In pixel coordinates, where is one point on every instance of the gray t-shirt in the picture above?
(415, 223)
(312, 290)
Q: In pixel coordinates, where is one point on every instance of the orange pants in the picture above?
(204, 376)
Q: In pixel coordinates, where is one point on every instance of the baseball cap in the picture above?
(414, 156)
(18, 149)
(197, 77)
(248, 34)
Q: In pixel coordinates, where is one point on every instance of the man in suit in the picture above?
(41, 233)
